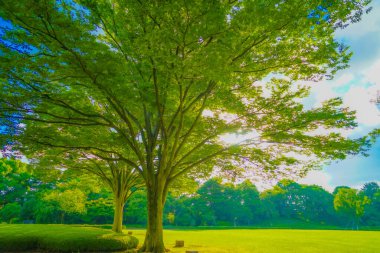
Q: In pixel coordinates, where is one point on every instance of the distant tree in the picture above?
(120, 178)
(273, 202)
(170, 217)
(68, 201)
(248, 202)
(336, 190)
(65, 200)
(269, 211)
(136, 208)
(10, 212)
(370, 189)
(16, 181)
(371, 215)
(185, 209)
(317, 205)
(100, 207)
(351, 203)
(290, 200)
(227, 203)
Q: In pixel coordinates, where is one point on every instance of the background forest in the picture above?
(34, 196)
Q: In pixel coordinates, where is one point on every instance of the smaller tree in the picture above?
(16, 181)
(351, 203)
(117, 176)
(68, 201)
(371, 216)
(336, 190)
(248, 198)
(100, 207)
(370, 189)
(10, 212)
(67, 195)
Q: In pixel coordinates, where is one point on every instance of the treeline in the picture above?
(287, 202)
(26, 197)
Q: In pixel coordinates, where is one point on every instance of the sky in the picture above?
(357, 85)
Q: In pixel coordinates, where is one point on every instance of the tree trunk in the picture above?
(357, 223)
(154, 234)
(62, 217)
(118, 215)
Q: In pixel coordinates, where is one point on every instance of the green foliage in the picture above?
(214, 203)
(160, 92)
(336, 190)
(47, 212)
(170, 218)
(304, 202)
(372, 210)
(70, 201)
(60, 238)
(16, 181)
(370, 189)
(136, 208)
(67, 197)
(67, 201)
(99, 208)
(351, 203)
(10, 211)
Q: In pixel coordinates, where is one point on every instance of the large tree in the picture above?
(156, 85)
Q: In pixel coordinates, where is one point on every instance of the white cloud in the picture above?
(372, 74)
(318, 177)
(357, 85)
(369, 24)
(358, 91)
(324, 90)
(359, 99)
(324, 131)
(233, 138)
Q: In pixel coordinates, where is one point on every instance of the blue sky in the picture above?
(357, 85)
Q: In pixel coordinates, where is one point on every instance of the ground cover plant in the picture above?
(62, 238)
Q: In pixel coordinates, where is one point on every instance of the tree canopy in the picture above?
(155, 85)
(351, 203)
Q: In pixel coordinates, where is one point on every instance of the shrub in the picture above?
(10, 211)
(62, 238)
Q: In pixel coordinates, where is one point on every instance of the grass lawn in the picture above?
(271, 240)
(66, 238)
(62, 238)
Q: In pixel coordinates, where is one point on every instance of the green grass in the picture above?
(271, 240)
(66, 238)
(62, 238)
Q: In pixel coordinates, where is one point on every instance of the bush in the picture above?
(62, 238)
(14, 221)
(10, 211)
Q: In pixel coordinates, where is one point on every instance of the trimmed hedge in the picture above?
(62, 238)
